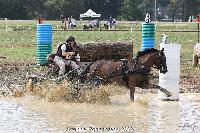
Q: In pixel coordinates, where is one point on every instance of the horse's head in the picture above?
(153, 58)
(162, 61)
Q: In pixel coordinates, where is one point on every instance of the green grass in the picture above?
(18, 54)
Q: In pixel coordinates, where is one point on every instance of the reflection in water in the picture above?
(190, 115)
(163, 116)
(25, 115)
(175, 116)
(17, 118)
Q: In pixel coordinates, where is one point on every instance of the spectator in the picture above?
(110, 23)
(114, 22)
(62, 19)
(69, 23)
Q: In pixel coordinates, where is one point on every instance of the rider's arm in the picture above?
(67, 54)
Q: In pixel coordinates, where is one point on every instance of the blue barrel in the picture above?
(148, 36)
(44, 42)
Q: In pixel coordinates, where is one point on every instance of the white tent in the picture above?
(90, 13)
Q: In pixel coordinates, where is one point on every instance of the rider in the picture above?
(64, 55)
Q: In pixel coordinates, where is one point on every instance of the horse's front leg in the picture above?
(132, 93)
(131, 84)
(167, 93)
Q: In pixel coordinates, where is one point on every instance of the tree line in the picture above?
(120, 9)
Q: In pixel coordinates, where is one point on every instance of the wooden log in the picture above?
(110, 51)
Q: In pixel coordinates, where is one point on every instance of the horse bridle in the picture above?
(163, 66)
(162, 59)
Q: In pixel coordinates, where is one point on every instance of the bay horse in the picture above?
(129, 72)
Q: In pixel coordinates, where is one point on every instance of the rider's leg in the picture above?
(61, 63)
(75, 67)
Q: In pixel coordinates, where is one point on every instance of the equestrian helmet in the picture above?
(70, 39)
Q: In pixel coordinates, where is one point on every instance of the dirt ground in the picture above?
(190, 83)
(14, 77)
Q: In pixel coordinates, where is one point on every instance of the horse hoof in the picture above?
(132, 100)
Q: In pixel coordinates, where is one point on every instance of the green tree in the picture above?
(106, 8)
(73, 8)
(13, 9)
(130, 10)
(189, 8)
(34, 8)
(174, 7)
(182, 9)
(52, 9)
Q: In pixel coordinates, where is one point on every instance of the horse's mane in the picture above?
(146, 51)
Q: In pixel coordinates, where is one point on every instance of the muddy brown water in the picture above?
(146, 114)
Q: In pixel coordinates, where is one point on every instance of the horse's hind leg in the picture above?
(168, 93)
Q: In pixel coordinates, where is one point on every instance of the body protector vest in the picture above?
(75, 57)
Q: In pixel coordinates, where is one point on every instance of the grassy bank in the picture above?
(20, 45)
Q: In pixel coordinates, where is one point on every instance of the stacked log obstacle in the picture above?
(196, 55)
(90, 52)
